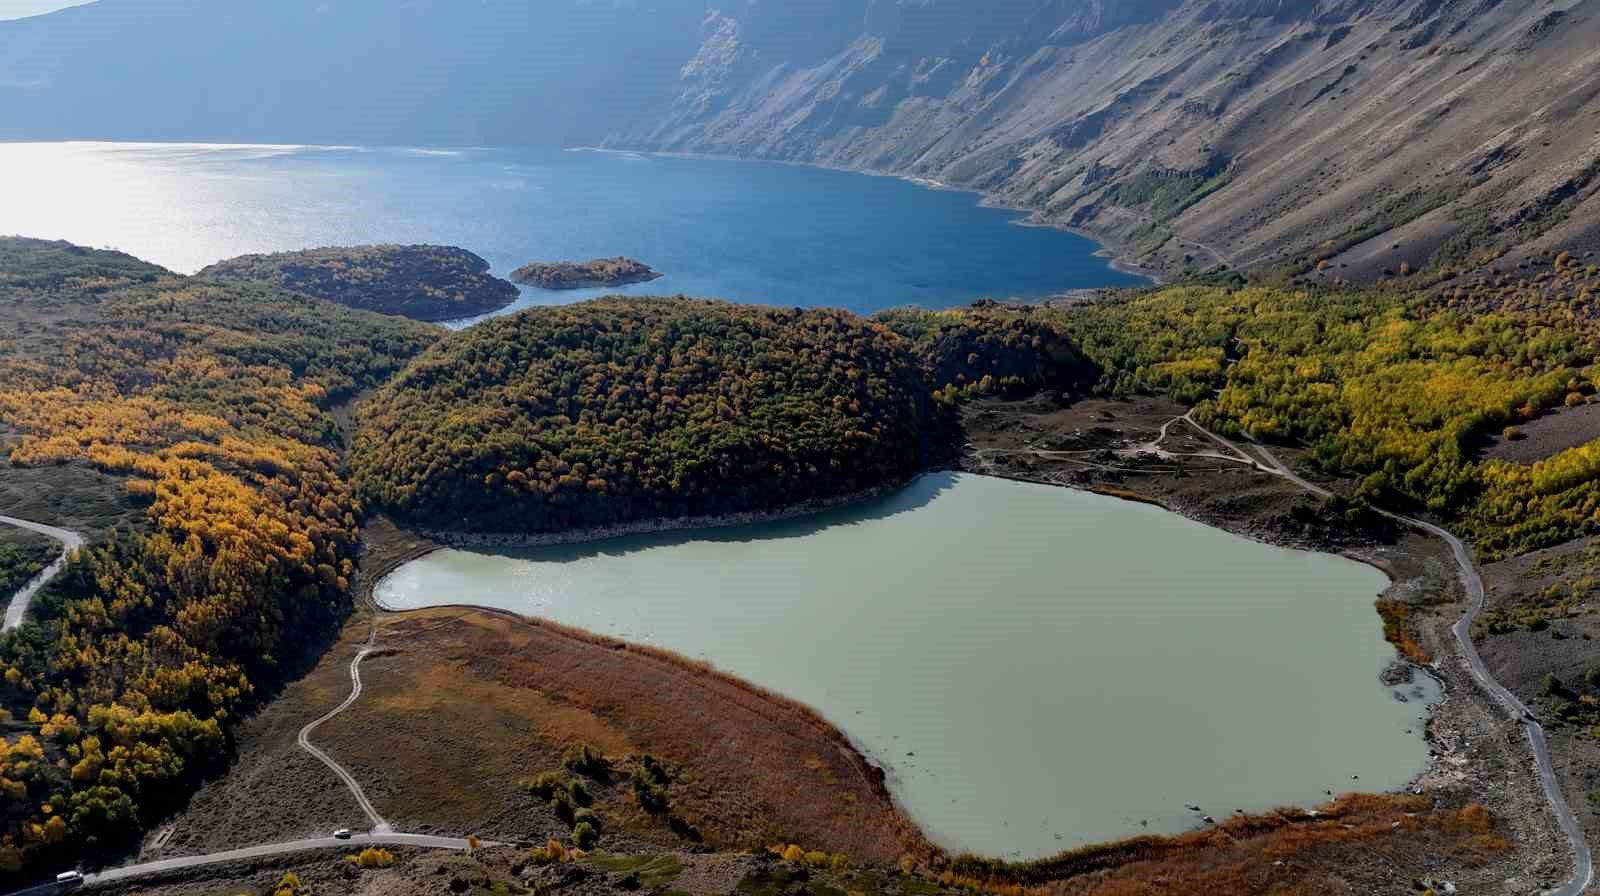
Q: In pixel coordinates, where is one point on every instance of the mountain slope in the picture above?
(1267, 131)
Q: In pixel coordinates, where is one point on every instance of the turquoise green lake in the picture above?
(1036, 668)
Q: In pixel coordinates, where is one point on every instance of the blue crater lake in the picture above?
(744, 231)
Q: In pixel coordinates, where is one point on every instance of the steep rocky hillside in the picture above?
(1259, 132)
(1374, 133)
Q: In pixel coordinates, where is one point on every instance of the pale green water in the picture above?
(1036, 668)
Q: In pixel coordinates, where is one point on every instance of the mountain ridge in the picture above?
(1310, 140)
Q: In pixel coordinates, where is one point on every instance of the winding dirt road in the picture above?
(379, 826)
(17, 609)
(1583, 860)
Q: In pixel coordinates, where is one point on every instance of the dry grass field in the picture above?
(485, 700)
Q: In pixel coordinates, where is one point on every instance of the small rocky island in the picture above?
(617, 271)
(430, 283)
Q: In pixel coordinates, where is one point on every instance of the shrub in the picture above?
(589, 817)
(584, 835)
(1574, 399)
(588, 761)
(372, 857)
(1552, 685)
(550, 853)
(652, 797)
(546, 785)
(562, 806)
(579, 794)
(817, 859)
(654, 770)
(793, 853)
(1513, 434)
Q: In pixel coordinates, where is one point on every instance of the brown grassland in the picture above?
(483, 699)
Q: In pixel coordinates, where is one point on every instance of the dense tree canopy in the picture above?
(213, 400)
(1385, 385)
(420, 282)
(626, 409)
(991, 349)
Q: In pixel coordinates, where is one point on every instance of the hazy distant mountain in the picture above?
(1261, 131)
(455, 72)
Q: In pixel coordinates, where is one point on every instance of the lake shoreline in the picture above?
(457, 538)
(871, 756)
(1116, 259)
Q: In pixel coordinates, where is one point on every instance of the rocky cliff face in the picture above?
(1266, 133)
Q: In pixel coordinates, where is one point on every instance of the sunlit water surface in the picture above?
(1036, 667)
(753, 232)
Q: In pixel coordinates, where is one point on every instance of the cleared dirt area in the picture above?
(1544, 436)
(1108, 447)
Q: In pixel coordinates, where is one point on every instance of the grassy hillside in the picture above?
(212, 402)
(621, 410)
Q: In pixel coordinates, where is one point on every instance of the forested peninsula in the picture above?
(620, 410)
(429, 283)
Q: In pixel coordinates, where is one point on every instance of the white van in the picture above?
(69, 877)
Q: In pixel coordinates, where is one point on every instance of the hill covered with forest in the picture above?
(212, 403)
(623, 410)
(419, 282)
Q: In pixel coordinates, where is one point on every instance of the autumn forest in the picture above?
(214, 403)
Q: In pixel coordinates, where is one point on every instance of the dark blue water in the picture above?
(751, 232)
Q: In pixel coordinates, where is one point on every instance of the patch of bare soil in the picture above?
(1547, 435)
(1111, 447)
(1546, 604)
